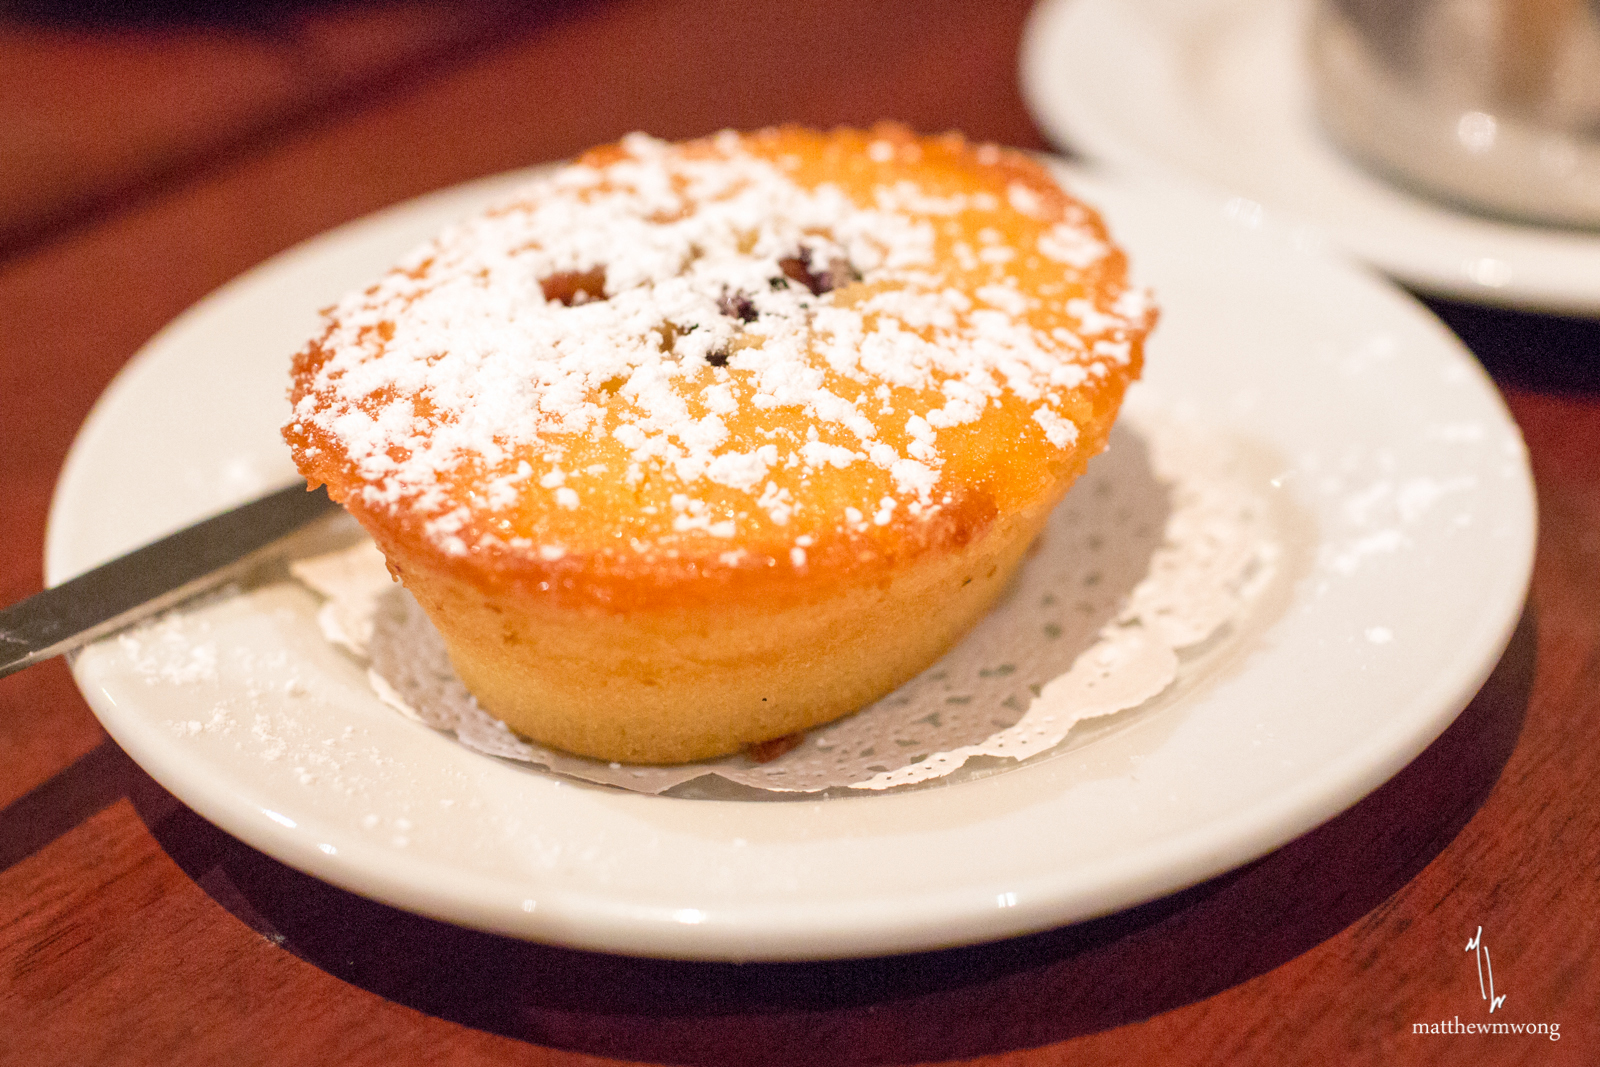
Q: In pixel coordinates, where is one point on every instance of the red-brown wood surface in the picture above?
(142, 166)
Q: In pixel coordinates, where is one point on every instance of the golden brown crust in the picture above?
(991, 465)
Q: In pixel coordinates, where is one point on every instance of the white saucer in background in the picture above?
(1217, 94)
(1403, 575)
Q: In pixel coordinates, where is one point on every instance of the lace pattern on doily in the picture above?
(1158, 550)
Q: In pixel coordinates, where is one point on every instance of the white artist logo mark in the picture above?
(1485, 965)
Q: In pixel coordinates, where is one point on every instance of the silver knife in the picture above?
(152, 578)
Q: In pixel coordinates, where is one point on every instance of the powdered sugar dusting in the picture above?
(660, 314)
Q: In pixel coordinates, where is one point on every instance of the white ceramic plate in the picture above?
(1364, 418)
(1217, 93)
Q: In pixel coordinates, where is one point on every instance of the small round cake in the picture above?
(688, 447)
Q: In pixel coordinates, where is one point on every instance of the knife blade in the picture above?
(150, 579)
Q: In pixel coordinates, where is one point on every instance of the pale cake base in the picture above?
(673, 685)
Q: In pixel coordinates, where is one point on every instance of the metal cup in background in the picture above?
(1492, 104)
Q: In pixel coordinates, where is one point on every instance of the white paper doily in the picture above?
(1149, 559)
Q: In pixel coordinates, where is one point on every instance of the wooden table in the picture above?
(143, 165)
